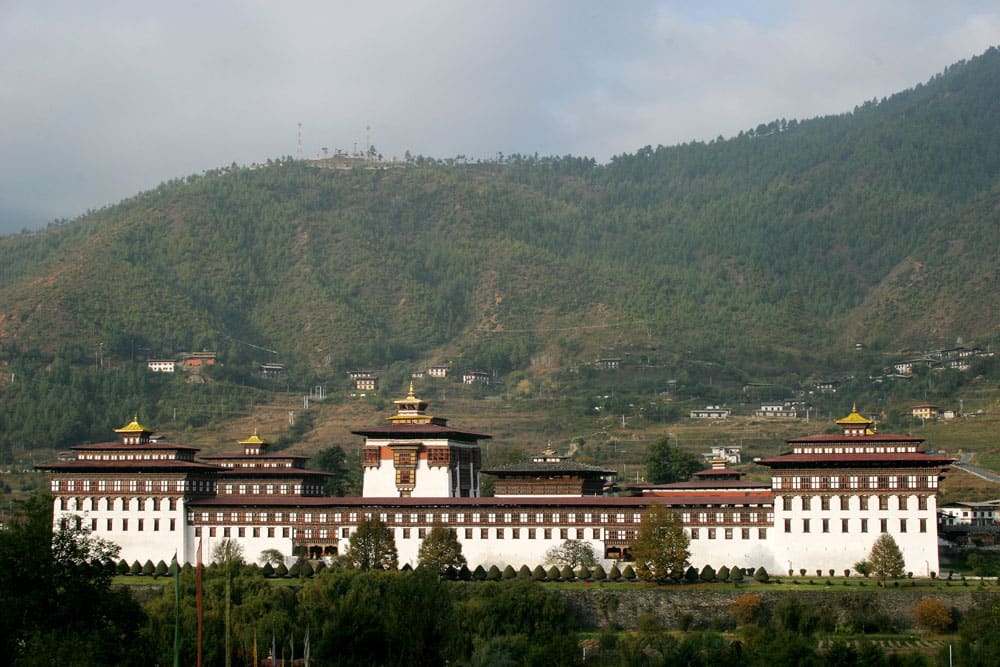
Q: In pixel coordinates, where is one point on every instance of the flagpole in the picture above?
(198, 596)
(177, 612)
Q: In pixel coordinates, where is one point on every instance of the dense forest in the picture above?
(769, 254)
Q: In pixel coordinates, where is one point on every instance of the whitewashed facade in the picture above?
(829, 498)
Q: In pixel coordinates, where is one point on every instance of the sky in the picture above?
(100, 100)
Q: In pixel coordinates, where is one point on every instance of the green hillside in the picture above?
(765, 257)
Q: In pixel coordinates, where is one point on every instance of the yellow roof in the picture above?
(854, 418)
(133, 427)
(254, 440)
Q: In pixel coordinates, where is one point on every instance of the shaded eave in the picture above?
(414, 431)
(119, 447)
(532, 468)
(485, 503)
(154, 466)
(840, 438)
(898, 459)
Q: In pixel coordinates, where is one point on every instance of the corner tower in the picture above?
(419, 456)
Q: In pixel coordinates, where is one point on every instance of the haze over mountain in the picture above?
(795, 239)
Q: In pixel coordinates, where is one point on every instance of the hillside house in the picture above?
(475, 377)
(711, 412)
(776, 410)
(439, 372)
(161, 365)
(925, 411)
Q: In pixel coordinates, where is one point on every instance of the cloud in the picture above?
(100, 100)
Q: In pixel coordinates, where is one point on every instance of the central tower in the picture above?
(419, 456)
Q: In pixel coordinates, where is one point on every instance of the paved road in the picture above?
(963, 464)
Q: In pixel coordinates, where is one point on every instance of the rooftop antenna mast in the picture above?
(368, 139)
(300, 141)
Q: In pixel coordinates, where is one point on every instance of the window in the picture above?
(548, 533)
(241, 532)
(824, 502)
(421, 533)
(711, 533)
(563, 534)
(921, 502)
(843, 525)
(124, 524)
(826, 525)
(225, 531)
(729, 533)
(270, 531)
(156, 524)
(173, 524)
(805, 525)
(484, 533)
(109, 524)
(923, 525)
(884, 525)
(788, 525)
(694, 533)
(864, 525)
(468, 533)
(745, 533)
(406, 533)
(883, 502)
(902, 525)
(499, 533)
(256, 531)
(285, 532)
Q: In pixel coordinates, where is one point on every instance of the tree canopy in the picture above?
(661, 547)
(665, 464)
(372, 546)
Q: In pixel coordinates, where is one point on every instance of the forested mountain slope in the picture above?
(879, 226)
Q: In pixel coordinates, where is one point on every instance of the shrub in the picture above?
(161, 569)
(479, 574)
(833, 573)
(847, 572)
(648, 624)
(746, 608)
(761, 575)
(136, 569)
(121, 567)
(524, 572)
(628, 573)
(306, 569)
(148, 568)
(509, 573)
(464, 573)
(268, 570)
(281, 570)
(931, 615)
(598, 574)
(691, 575)
(538, 574)
(723, 574)
(614, 574)
(802, 571)
(736, 575)
(707, 574)
(494, 574)
(567, 573)
(319, 566)
(552, 574)
(583, 574)
(296, 569)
